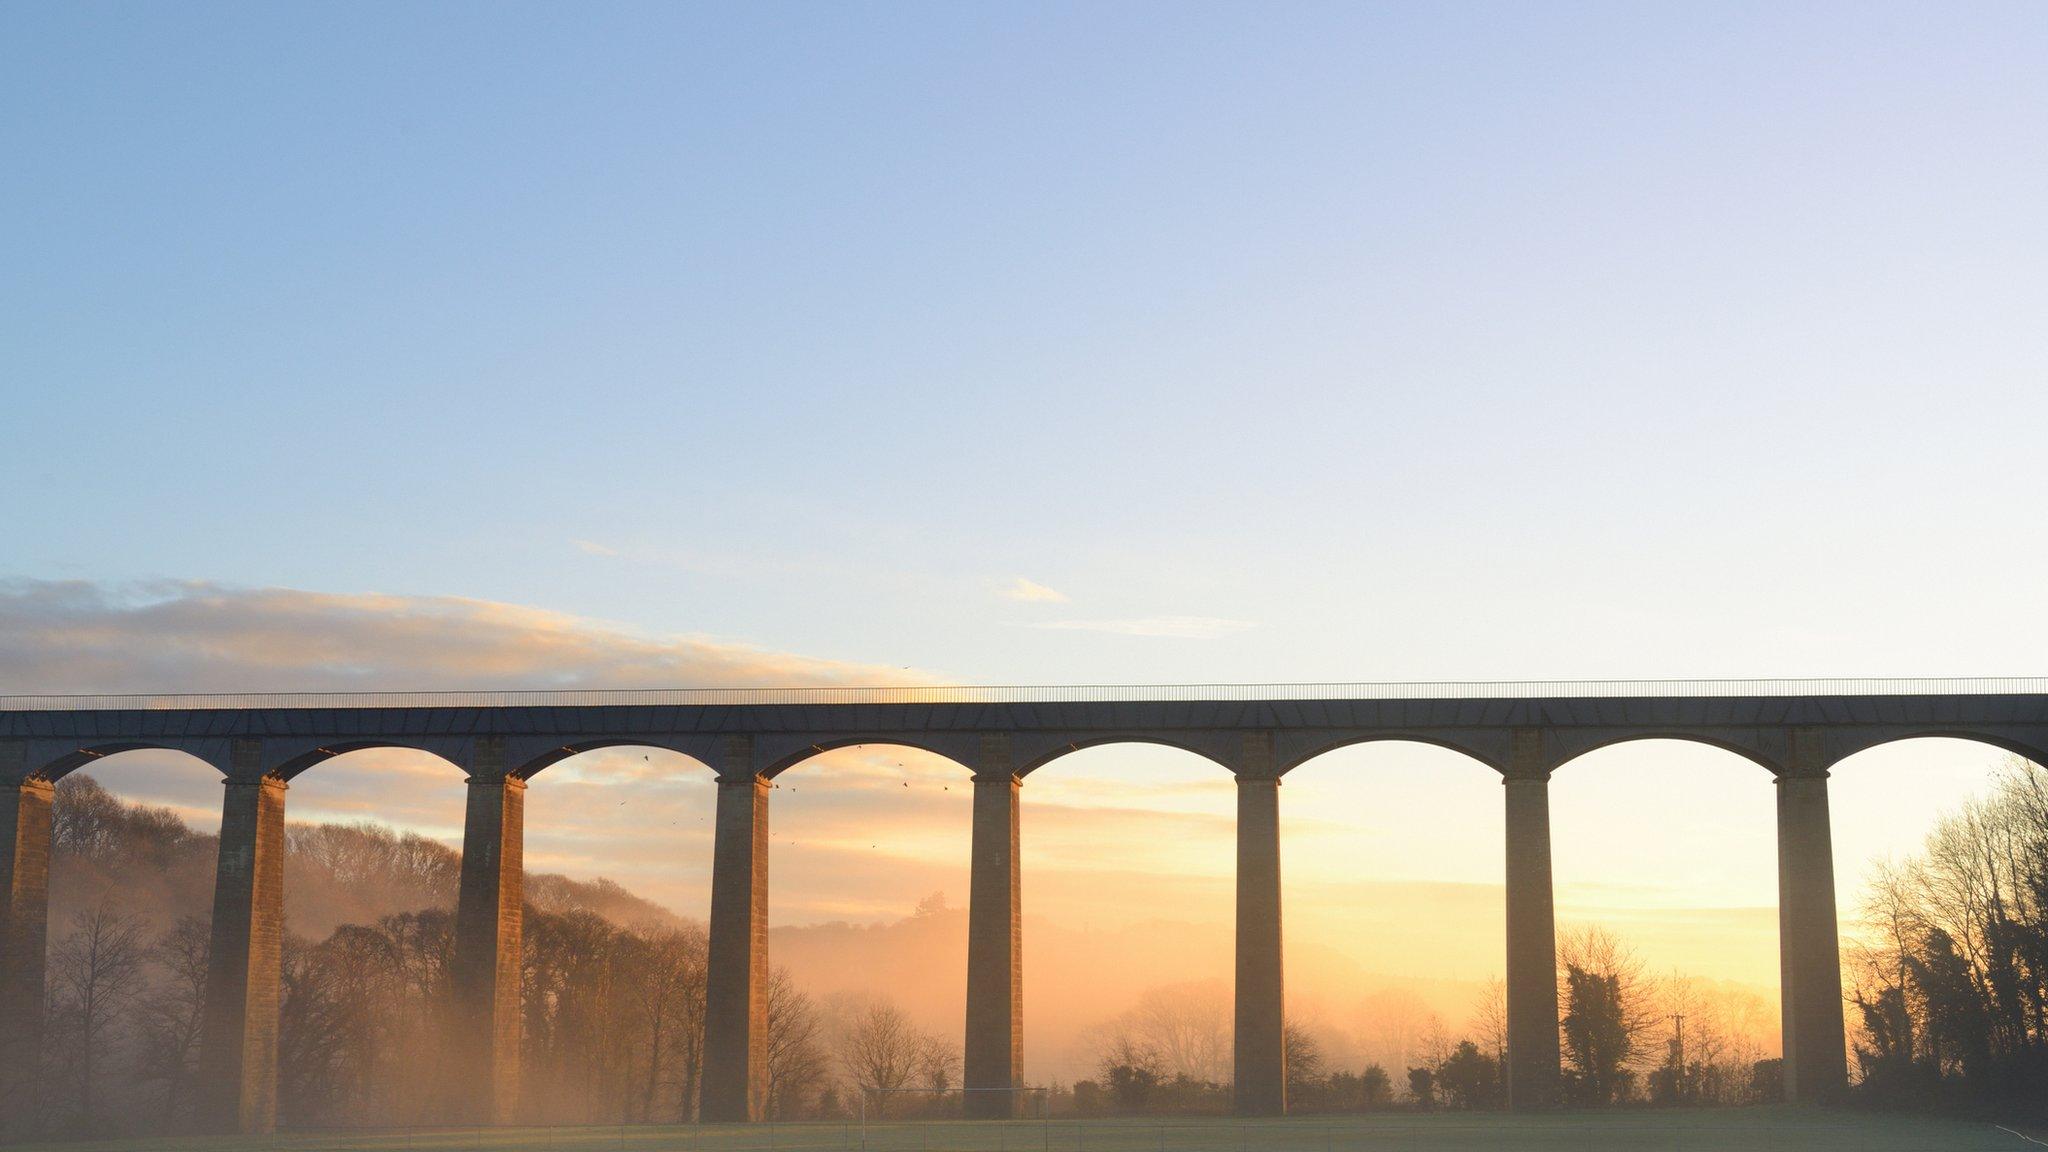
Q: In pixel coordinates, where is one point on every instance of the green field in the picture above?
(1736, 1130)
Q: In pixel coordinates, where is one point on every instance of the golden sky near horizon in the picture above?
(1670, 844)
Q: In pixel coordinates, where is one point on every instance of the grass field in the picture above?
(1728, 1130)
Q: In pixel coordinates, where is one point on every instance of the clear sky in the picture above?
(1090, 343)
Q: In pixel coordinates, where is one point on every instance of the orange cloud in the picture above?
(75, 636)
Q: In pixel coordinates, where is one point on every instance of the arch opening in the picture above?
(871, 847)
(1129, 870)
(1666, 876)
(372, 831)
(133, 849)
(618, 853)
(134, 830)
(1936, 838)
(1395, 922)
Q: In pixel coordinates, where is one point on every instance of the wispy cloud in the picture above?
(1171, 627)
(593, 548)
(1033, 592)
(77, 636)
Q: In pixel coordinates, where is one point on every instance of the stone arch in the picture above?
(1843, 745)
(1214, 750)
(528, 763)
(1763, 748)
(51, 764)
(1474, 749)
(290, 762)
(781, 759)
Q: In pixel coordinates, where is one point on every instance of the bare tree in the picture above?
(1188, 1026)
(171, 1011)
(1490, 1019)
(405, 867)
(95, 972)
(668, 987)
(309, 1033)
(1435, 1045)
(938, 1062)
(797, 1063)
(879, 1049)
(1130, 1069)
(687, 1045)
(1122, 1048)
(1392, 1025)
(87, 819)
(1304, 1057)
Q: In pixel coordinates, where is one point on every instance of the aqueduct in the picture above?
(1796, 730)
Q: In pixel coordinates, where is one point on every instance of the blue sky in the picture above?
(1413, 341)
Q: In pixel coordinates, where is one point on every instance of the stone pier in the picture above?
(1259, 1081)
(237, 1084)
(489, 920)
(24, 926)
(995, 942)
(735, 1085)
(1809, 949)
(1532, 1071)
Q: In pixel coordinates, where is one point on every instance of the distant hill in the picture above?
(147, 862)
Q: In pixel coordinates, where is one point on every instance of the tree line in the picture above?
(1626, 1038)
(612, 1013)
(1949, 980)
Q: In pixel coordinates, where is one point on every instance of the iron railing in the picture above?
(1036, 694)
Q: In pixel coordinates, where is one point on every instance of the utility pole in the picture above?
(1678, 1025)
